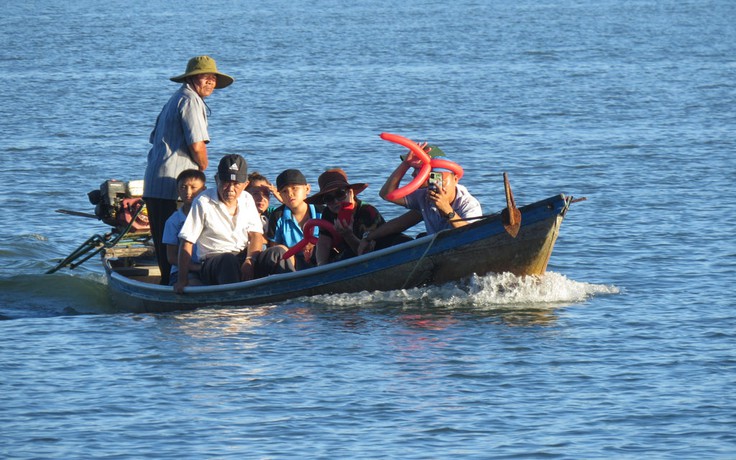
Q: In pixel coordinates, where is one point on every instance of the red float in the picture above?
(449, 165)
(310, 238)
(423, 174)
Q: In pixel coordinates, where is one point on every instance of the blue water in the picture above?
(625, 349)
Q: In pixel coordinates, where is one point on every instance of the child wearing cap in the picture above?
(189, 184)
(286, 224)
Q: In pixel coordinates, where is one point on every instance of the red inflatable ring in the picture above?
(408, 143)
(417, 182)
(310, 238)
(420, 178)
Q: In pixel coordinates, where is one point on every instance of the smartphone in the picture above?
(435, 181)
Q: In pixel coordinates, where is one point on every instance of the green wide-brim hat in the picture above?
(204, 64)
(432, 150)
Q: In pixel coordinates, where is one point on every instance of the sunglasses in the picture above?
(337, 195)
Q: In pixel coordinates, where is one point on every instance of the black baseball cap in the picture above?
(290, 177)
(233, 168)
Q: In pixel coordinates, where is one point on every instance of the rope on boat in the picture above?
(95, 243)
(408, 278)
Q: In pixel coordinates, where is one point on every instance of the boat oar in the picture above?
(511, 216)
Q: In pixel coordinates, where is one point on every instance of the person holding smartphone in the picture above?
(441, 203)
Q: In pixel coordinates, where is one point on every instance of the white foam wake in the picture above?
(503, 289)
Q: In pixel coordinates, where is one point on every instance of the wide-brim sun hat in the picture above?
(432, 150)
(204, 64)
(331, 180)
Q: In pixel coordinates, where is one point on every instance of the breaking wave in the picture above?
(494, 290)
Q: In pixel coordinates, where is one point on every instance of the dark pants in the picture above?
(225, 268)
(159, 211)
(222, 268)
(270, 262)
(391, 240)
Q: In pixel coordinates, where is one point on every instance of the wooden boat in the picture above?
(519, 241)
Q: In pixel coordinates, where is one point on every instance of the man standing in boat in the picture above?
(179, 142)
(225, 224)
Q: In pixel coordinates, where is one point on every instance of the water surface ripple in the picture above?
(625, 349)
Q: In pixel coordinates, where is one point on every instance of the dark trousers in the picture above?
(225, 268)
(270, 262)
(159, 211)
(222, 268)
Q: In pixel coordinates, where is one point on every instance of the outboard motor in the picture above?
(117, 202)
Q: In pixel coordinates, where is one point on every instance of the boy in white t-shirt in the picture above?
(188, 185)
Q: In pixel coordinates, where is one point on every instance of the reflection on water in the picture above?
(217, 322)
(412, 320)
(496, 298)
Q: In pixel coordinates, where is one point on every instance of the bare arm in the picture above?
(275, 192)
(393, 226)
(396, 225)
(185, 258)
(392, 183)
(457, 222)
(172, 254)
(324, 246)
(198, 150)
(345, 230)
(255, 246)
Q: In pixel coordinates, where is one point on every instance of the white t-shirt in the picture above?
(214, 230)
(171, 235)
(465, 206)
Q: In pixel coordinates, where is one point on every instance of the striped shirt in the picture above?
(181, 123)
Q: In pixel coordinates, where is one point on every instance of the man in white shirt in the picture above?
(225, 224)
